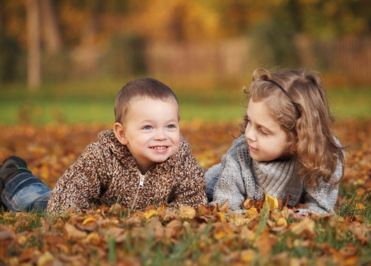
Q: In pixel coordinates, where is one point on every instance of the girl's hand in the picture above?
(296, 214)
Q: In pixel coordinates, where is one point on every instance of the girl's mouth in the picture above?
(253, 149)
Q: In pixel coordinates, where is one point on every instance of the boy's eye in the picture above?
(147, 127)
(171, 126)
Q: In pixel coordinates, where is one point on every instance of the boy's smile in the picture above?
(150, 130)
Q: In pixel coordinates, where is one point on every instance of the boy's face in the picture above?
(266, 139)
(150, 131)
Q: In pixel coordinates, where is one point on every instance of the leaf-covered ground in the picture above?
(266, 235)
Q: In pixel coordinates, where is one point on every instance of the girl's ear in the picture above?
(120, 133)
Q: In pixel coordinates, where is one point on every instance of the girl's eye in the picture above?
(263, 132)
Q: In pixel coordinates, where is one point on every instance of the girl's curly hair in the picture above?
(310, 135)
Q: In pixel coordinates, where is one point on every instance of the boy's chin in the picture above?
(161, 160)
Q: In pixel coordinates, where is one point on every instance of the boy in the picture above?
(142, 161)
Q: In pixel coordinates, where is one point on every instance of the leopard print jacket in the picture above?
(107, 173)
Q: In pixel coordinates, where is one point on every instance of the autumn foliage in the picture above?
(268, 234)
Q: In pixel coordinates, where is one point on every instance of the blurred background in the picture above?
(63, 61)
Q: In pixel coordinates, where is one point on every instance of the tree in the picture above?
(51, 31)
(33, 47)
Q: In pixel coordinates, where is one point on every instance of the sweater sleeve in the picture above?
(80, 184)
(322, 199)
(190, 190)
(230, 185)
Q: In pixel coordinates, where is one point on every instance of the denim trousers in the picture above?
(26, 192)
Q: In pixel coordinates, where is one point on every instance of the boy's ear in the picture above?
(120, 133)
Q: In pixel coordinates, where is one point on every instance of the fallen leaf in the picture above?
(73, 233)
(186, 212)
(271, 201)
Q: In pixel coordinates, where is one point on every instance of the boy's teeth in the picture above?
(159, 148)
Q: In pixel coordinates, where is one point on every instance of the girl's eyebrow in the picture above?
(261, 126)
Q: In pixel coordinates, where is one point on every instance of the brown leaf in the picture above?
(89, 224)
(166, 215)
(118, 234)
(361, 232)
(73, 233)
(303, 228)
(29, 254)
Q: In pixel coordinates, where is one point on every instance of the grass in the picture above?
(92, 101)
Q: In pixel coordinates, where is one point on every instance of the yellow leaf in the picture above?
(161, 208)
(251, 212)
(241, 221)
(271, 201)
(187, 212)
(45, 259)
(22, 240)
(281, 222)
(247, 255)
(92, 238)
(150, 214)
(88, 220)
(222, 217)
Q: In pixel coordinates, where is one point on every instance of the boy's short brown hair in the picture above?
(137, 88)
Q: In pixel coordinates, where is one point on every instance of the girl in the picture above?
(288, 149)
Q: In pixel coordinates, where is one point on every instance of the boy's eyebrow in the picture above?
(151, 121)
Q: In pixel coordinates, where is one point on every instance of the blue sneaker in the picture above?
(10, 168)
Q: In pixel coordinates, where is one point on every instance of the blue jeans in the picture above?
(26, 192)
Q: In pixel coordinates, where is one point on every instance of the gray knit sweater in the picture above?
(238, 177)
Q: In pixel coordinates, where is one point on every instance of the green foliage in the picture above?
(9, 58)
(126, 56)
(272, 41)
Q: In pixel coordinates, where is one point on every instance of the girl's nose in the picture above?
(250, 134)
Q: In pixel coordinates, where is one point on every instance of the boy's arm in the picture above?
(80, 184)
(190, 188)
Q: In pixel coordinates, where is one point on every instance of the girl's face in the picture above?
(266, 139)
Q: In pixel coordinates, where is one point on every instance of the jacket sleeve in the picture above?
(323, 198)
(190, 190)
(230, 184)
(80, 184)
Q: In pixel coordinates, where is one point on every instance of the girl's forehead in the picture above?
(259, 113)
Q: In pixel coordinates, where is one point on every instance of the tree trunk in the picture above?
(88, 35)
(33, 46)
(51, 31)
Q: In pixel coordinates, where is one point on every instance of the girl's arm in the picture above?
(323, 198)
(230, 185)
(80, 184)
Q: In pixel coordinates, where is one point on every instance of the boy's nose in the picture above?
(160, 134)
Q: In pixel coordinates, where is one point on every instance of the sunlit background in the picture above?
(63, 61)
